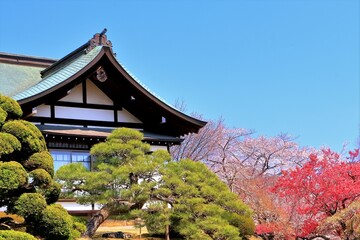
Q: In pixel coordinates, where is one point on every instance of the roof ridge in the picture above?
(21, 59)
(99, 39)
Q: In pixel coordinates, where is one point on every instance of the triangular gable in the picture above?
(113, 98)
(94, 105)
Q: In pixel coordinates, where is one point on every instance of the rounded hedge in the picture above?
(8, 144)
(40, 178)
(41, 160)
(11, 107)
(56, 223)
(30, 142)
(15, 235)
(13, 175)
(3, 116)
(51, 192)
(30, 205)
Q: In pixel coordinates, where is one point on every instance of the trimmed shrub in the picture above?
(11, 107)
(3, 116)
(40, 178)
(51, 192)
(8, 144)
(78, 229)
(41, 160)
(56, 223)
(35, 131)
(15, 235)
(28, 138)
(30, 206)
(13, 176)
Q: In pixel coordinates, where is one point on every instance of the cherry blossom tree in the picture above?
(325, 185)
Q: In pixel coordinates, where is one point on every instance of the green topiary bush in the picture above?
(8, 144)
(15, 235)
(11, 107)
(56, 223)
(13, 176)
(41, 160)
(3, 116)
(40, 178)
(51, 192)
(30, 142)
(30, 206)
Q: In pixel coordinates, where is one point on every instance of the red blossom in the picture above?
(321, 187)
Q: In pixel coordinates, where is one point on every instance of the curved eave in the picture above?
(193, 124)
(191, 120)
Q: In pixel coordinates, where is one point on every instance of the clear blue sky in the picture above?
(289, 66)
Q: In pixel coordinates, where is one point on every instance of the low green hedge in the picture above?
(15, 235)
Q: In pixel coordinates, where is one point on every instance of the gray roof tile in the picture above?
(60, 75)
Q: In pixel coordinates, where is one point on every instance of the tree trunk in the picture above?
(95, 222)
(167, 232)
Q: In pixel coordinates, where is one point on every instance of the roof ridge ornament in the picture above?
(99, 39)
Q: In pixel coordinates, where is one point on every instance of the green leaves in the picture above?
(30, 137)
(203, 203)
(11, 107)
(26, 176)
(42, 160)
(128, 177)
(30, 205)
(13, 176)
(8, 144)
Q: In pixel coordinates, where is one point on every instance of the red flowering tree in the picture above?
(319, 189)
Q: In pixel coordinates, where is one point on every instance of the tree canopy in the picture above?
(126, 177)
(323, 191)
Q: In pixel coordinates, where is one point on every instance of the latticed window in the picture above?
(62, 157)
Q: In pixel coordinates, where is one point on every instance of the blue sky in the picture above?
(274, 66)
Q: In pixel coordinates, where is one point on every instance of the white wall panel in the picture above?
(95, 95)
(125, 116)
(43, 111)
(84, 114)
(75, 95)
(155, 147)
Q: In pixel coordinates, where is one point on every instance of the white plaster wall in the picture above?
(154, 148)
(95, 95)
(75, 95)
(84, 114)
(73, 206)
(125, 116)
(43, 111)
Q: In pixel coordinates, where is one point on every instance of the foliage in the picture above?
(42, 160)
(56, 223)
(29, 136)
(248, 165)
(15, 235)
(51, 192)
(8, 144)
(13, 176)
(319, 189)
(11, 107)
(30, 206)
(26, 170)
(345, 223)
(127, 176)
(40, 178)
(202, 205)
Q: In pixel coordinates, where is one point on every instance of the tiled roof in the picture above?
(17, 78)
(59, 75)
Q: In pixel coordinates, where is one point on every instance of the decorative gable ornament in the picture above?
(101, 74)
(99, 39)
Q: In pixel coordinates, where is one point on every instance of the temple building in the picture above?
(78, 100)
